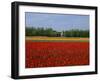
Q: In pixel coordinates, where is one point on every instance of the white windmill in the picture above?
(62, 34)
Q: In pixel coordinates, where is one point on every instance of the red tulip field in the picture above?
(56, 54)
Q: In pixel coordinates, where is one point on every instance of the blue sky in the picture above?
(58, 22)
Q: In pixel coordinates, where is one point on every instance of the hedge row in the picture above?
(32, 31)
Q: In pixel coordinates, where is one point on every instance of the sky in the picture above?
(58, 22)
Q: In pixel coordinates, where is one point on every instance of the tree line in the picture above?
(41, 31)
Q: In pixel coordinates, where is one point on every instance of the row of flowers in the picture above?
(53, 54)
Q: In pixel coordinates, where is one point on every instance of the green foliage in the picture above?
(40, 31)
(76, 33)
